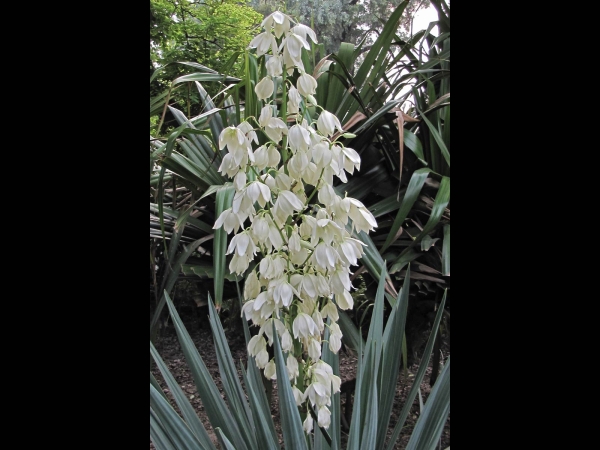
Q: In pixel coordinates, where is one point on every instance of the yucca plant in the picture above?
(243, 420)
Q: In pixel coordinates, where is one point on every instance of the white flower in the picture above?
(251, 286)
(294, 100)
(304, 326)
(327, 123)
(340, 280)
(330, 310)
(314, 349)
(293, 43)
(228, 166)
(306, 85)
(235, 140)
(324, 256)
(351, 160)
(292, 367)
(259, 192)
(286, 341)
(262, 42)
(229, 220)
(290, 62)
(362, 219)
(270, 371)
(298, 138)
(303, 31)
(262, 358)
(344, 301)
(307, 424)
(273, 65)
(249, 132)
(283, 293)
(239, 181)
(324, 417)
(298, 395)
(264, 89)
(239, 264)
(256, 344)
(335, 337)
(287, 202)
(278, 20)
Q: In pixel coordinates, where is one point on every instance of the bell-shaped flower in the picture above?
(251, 286)
(292, 368)
(350, 250)
(303, 31)
(298, 396)
(308, 424)
(290, 62)
(340, 280)
(344, 301)
(239, 264)
(294, 43)
(324, 417)
(259, 192)
(294, 100)
(330, 310)
(314, 349)
(304, 326)
(228, 166)
(283, 294)
(229, 220)
(351, 160)
(298, 138)
(335, 337)
(270, 371)
(274, 66)
(263, 42)
(306, 85)
(248, 132)
(287, 202)
(362, 219)
(327, 123)
(264, 89)
(287, 344)
(279, 21)
(324, 256)
(235, 140)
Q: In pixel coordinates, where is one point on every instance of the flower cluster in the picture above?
(305, 249)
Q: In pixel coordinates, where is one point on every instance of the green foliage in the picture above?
(337, 21)
(243, 420)
(213, 33)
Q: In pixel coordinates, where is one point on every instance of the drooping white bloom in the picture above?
(303, 31)
(286, 341)
(327, 123)
(335, 337)
(324, 257)
(330, 310)
(263, 42)
(362, 219)
(294, 100)
(304, 326)
(306, 85)
(314, 349)
(340, 280)
(278, 20)
(274, 66)
(307, 424)
(270, 371)
(324, 417)
(292, 368)
(298, 138)
(287, 202)
(249, 132)
(235, 140)
(345, 300)
(229, 220)
(351, 160)
(264, 89)
(293, 43)
(283, 292)
(298, 395)
(259, 192)
(251, 286)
